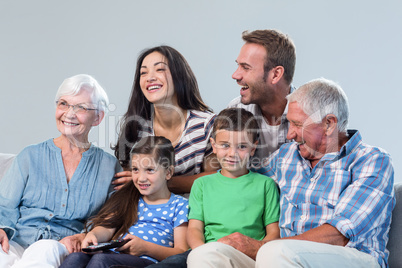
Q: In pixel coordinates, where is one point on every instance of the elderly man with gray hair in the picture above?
(336, 191)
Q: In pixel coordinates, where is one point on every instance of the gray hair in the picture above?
(73, 85)
(321, 97)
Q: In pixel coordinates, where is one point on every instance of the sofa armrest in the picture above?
(395, 233)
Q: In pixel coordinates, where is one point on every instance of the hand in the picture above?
(242, 243)
(121, 179)
(135, 247)
(4, 241)
(73, 242)
(90, 239)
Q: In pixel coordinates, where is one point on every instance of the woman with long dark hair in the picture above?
(165, 101)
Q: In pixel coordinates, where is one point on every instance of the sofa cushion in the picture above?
(5, 162)
(395, 234)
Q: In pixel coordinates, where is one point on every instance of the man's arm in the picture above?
(325, 233)
(243, 243)
(249, 246)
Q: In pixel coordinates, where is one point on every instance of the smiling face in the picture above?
(233, 149)
(250, 74)
(310, 136)
(77, 125)
(150, 178)
(156, 80)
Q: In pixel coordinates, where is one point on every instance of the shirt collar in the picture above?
(354, 139)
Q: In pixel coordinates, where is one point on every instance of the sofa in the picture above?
(395, 234)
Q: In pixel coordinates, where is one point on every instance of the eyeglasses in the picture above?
(77, 108)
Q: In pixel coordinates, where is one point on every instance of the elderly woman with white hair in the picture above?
(54, 186)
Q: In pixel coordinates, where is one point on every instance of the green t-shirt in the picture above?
(246, 205)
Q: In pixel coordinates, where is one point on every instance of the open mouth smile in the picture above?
(153, 87)
(144, 186)
(69, 124)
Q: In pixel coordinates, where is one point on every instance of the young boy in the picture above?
(234, 199)
(231, 200)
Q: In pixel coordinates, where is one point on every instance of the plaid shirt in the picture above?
(351, 190)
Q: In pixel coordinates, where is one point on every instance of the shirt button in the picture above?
(303, 217)
(65, 190)
(63, 205)
(312, 179)
(51, 215)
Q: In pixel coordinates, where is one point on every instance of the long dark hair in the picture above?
(120, 210)
(139, 108)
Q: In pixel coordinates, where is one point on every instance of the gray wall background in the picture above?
(355, 43)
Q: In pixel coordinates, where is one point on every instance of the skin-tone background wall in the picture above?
(355, 43)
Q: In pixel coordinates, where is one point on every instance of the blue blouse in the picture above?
(36, 202)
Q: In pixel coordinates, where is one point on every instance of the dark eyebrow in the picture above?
(244, 64)
(156, 63)
(161, 62)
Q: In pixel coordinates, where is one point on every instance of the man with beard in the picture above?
(266, 65)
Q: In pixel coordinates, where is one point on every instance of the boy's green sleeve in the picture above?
(196, 201)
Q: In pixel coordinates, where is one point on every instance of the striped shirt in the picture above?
(351, 190)
(194, 143)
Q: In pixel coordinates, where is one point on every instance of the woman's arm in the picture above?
(12, 188)
(4, 241)
(121, 178)
(182, 184)
(139, 247)
(195, 233)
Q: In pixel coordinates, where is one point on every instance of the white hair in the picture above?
(73, 85)
(321, 97)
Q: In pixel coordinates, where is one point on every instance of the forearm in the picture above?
(323, 234)
(182, 184)
(160, 252)
(272, 231)
(195, 238)
(103, 234)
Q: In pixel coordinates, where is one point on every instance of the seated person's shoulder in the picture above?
(236, 103)
(179, 199)
(261, 177)
(367, 153)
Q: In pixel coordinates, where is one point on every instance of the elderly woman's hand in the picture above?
(121, 179)
(4, 241)
(73, 242)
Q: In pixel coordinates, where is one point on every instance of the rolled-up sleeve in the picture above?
(12, 186)
(368, 201)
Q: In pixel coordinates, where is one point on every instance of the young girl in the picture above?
(144, 211)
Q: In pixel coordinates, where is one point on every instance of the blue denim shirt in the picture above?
(36, 202)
